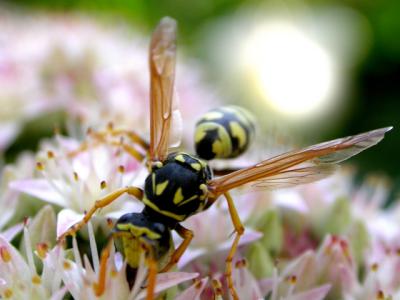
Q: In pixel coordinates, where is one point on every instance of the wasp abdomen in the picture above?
(224, 132)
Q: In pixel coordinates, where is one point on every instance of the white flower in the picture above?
(75, 182)
(19, 278)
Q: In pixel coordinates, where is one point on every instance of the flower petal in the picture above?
(318, 293)
(194, 291)
(65, 219)
(11, 232)
(39, 188)
(167, 280)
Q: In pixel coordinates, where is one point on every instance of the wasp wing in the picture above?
(162, 60)
(299, 166)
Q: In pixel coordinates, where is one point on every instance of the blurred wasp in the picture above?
(180, 185)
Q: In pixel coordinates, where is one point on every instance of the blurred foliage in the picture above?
(377, 95)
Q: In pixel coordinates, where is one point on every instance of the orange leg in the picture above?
(99, 287)
(187, 236)
(151, 278)
(239, 229)
(133, 191)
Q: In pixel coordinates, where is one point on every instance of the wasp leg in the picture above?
(239, 229)
(101, 285)
(131, 190)
(187, 236)
(151, 278)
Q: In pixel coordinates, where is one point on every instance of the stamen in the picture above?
(42, 249)
(110, 223)
(36, 279)
(93, 248)
(197, 283)
(103, 184)
(77, 256)
(28, 250)
(110, 126)
(374, 267)
(50, 154)
(242, 263)
(8, 293)
(39, 166)
(5, 254)
(380, 295)
(67, 265)
(121, 169)
(217, 287)
(76, 177)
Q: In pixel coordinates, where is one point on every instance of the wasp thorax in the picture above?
(178, 188)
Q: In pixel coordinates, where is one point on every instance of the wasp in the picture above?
(180, 185)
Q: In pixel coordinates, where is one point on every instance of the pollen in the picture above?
(374, 267)
(76, 176)
(113, 273)
(103, 184)
(110, 126)
(110, 222)
(42, 249)
(8, 293)
(242, 263)
(5, 254)
(36, 279)
(197, 283)
(292, 279)
(121, 169)
(39, 166)
(67, 265)
(217, 287)
(380, 295)
(50, 154)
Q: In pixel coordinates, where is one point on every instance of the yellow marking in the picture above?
(161, 187)
(178, 197)
(204, 189)
(196, 166)
(188, 200)
(180, 158)
(199, 134)
(138, 231)
(223, 146)
(203, 163)
(132, 251)
(239, 133)
(213, 115)
(163, 212)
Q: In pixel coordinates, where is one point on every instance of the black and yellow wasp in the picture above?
(180, 185)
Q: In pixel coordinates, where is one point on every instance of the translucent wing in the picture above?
(297, 167)
(162, 58)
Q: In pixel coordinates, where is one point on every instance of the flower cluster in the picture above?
(324, 240)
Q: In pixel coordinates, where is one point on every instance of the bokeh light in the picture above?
(293, 73)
